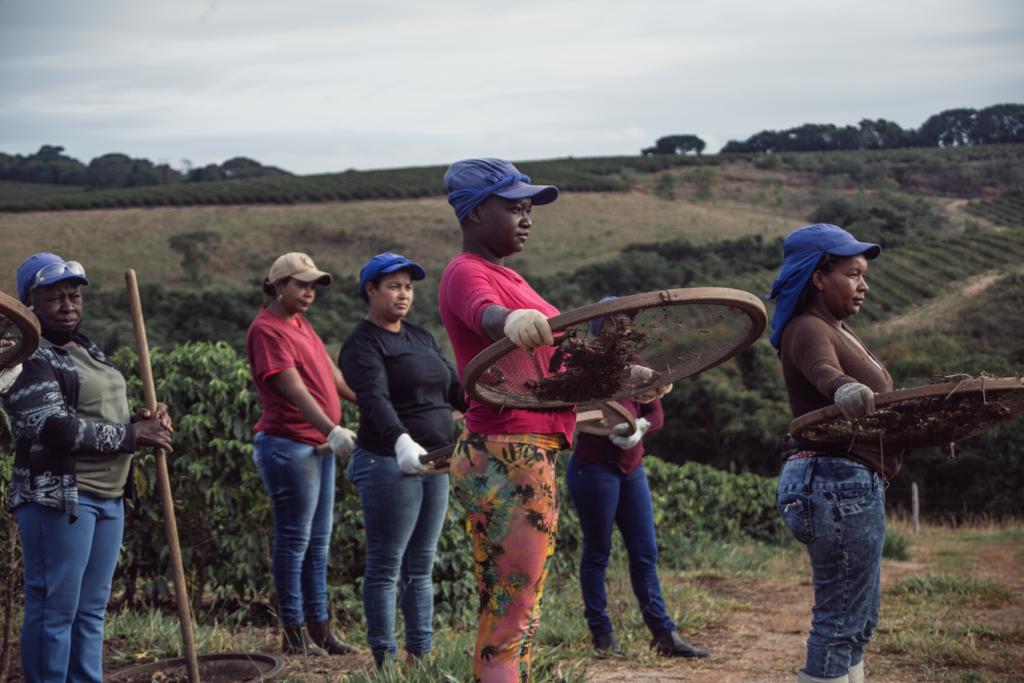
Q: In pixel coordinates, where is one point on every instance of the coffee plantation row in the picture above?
(224, 514)
(602, 174)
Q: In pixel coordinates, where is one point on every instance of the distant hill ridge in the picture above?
(965, 171)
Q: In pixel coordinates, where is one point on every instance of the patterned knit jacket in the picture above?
(47, 432)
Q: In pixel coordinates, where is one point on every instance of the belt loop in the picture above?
(809, 475)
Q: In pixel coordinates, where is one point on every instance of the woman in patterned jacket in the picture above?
(74, 439)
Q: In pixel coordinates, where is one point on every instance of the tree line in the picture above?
(1000, 123)
(51, 165)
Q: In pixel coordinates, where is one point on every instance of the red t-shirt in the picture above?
(273, 345)
(469, 285)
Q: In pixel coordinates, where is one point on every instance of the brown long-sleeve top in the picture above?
(820, 354)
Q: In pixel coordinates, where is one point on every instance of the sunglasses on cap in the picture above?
(53, 270)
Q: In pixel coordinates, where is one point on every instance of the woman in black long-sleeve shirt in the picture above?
(406, 390)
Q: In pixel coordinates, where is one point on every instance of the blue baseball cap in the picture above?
(597, 324)
(44, 268)
(470, 181)
(387, 262)
(828, 239)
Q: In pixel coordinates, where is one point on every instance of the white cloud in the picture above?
(320, 85)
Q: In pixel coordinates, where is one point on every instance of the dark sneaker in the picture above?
(605, 645)
(669, 644)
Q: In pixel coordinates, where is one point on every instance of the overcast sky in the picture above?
(326, 85)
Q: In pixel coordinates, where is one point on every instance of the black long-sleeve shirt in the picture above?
(403, 383)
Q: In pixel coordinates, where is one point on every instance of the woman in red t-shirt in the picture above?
(299, 388)
(503, 468)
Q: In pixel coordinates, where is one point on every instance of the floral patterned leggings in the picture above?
(507, 485)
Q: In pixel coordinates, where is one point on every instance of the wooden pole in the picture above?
(163, 481)
(915, 507)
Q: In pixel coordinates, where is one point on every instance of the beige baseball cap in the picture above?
(299, 266)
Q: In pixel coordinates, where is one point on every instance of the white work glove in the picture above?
(341, 441)
(653, 394)
(8, 377)
(855, 400)
(627, 442)
(640, 374)
(408, 453)
(528, 329)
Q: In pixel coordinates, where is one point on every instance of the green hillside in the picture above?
(949, 220)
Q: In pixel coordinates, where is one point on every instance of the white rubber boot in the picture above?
(801, 677)
(857, 672)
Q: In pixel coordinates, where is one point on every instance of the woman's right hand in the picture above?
(8, 376)
(151, 432)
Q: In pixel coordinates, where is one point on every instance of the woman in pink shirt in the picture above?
(299, 388)
(503, 468)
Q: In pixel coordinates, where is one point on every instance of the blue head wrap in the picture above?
(471, 181)
(801, 252)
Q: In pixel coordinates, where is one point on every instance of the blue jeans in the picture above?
(835, 506)
(300, 482)
(68, 572)
(604, 496)
(402, 515)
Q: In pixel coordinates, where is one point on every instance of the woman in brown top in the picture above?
(832, 500)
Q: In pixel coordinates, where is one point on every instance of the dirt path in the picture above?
(761, 637)
(940, 307)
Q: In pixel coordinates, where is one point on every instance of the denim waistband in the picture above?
(825, 471)
(800, 455)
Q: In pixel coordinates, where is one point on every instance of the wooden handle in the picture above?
(437, 454)
(163, 481)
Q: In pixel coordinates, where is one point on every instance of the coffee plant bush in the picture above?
(225, 521)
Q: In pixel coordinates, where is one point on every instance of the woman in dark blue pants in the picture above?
(608, 486)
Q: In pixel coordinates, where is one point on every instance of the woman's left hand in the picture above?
(162, 415)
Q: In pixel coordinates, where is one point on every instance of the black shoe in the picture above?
(320, 633)
(669, 644)
(296, 643)
(605, 645)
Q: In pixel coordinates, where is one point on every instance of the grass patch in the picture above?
(896, 546)
(951, 590)
(997, 537)
(949, 559)
(727, 557)
(943, 641)
(136, 637)
(940, 645)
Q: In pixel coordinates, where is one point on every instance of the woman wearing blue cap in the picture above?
(832, 499)
(74, 440)
(503, 469)
(406, 390)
